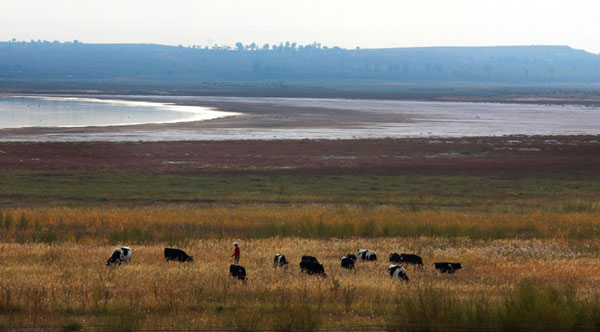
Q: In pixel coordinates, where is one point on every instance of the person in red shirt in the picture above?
(236, 252)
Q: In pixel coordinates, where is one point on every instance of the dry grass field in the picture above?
(182, 223)
(529, 242)
(70, 285)
(516, 267)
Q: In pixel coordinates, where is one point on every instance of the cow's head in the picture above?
(189, 259)
(362, 253)
(116, 257)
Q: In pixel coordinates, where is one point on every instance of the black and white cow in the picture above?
(280, 260)
(310, 259)
(397, 271)
(311, 268)
(119, 255)
(172, 254)
(445, 267)
(409, 259)
(348, 261)
(237, 271)
(367, 255)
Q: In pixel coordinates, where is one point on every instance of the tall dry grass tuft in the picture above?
(531, 304)
(528, 306)
(292, 315)
(440, 309)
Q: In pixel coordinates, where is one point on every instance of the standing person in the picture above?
(236, 252)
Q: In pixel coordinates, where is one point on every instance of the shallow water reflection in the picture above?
(44, 111)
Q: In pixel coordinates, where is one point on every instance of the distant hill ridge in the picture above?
(498, 64)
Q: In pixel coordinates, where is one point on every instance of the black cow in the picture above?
(280, 260)
(312, 268)
(406, 259)
(119, 255)
(394, 258)
(310, 259)
(398, 272)
(172, 254)
(348, 261)
(237, 271)
(445, 267)
(367, 255)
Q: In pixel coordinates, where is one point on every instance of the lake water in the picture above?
(46, 111)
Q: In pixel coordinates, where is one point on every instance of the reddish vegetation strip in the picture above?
(564, 156)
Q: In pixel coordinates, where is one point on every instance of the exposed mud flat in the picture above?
(517, 156)
(298, 118)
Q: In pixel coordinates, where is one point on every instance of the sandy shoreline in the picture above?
(292, 118)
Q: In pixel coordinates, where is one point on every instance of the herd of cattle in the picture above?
(308, 264)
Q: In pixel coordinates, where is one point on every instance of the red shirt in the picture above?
(236, 252)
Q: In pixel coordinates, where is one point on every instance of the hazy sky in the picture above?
(345, 23)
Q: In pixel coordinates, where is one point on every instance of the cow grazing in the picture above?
(312, 268)
(280, 260)
(237, 271)
(119, 255)
(394, 258)
(445, 267)
(348, 261)
(310, 259)
(172, 254)
(408, 259)
(397, 271)
(367, 255)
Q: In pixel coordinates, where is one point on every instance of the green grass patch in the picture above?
(21, 189)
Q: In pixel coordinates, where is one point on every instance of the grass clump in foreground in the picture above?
(528, 306)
